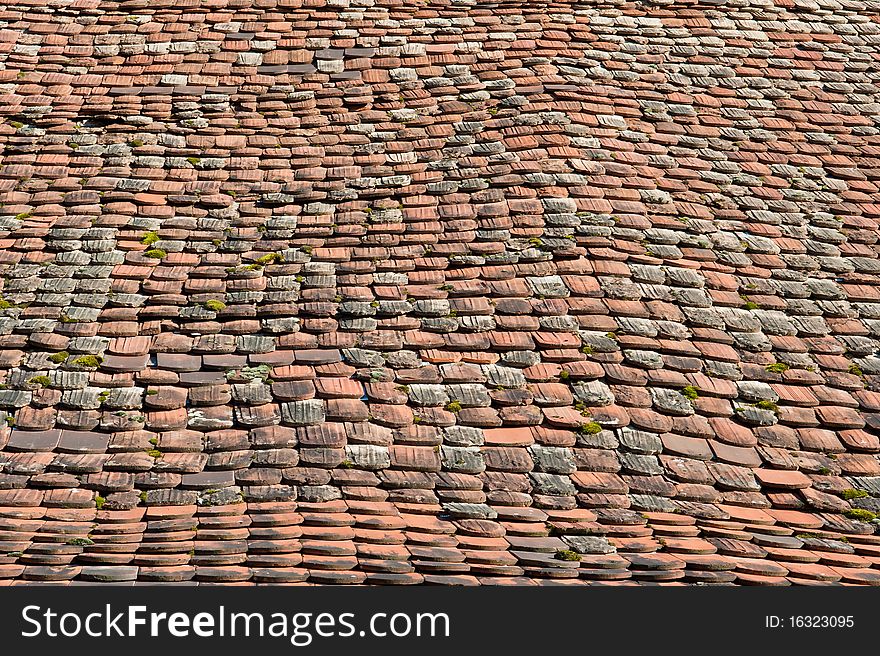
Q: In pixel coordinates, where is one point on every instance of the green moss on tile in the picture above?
(270, 258)
(852, 493)
(768, 405)
(150, 238)
(42, 381)
(567, 554)
(691, 393)
(454, 406)
(590, 428)
(89, 361)
(214, 305)
(860, 515)
(777, 368)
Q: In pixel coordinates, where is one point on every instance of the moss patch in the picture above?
(860, 515)
(691, 393)
(155, 253)
(590, 428)
(214, 305)
(150, 238)
(768, 405)
(777, 368)
(454, 406)
(269, 259)
(853, 494)
(567, 554)
(89, 361)
(59, 357)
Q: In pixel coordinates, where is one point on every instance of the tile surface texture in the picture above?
(439, 292)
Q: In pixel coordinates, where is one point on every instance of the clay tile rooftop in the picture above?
(442, 292)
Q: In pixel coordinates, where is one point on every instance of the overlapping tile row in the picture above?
(439, 292)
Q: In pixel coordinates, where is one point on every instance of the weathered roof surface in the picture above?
(439, 292)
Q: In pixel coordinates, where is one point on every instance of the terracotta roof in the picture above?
(439, 292)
